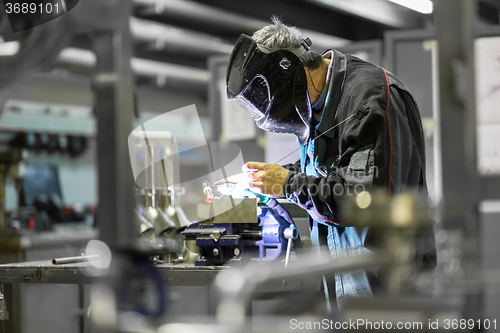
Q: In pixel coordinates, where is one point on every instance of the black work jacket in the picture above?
(378, 143)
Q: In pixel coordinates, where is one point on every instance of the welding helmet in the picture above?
(271, 86)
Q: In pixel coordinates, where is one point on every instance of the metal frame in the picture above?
(113, 86)
(455, 31)
(214, 104)
(114, 89)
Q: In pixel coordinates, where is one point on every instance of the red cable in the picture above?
(389, 125)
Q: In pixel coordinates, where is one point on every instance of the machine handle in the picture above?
(288, 250)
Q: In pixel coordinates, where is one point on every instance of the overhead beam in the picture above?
(319, 16)
(227, 22)
(161, 36)
(140, 67)
(380, 11)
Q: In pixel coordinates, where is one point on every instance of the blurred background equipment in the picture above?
(158, 212)
(29, 50)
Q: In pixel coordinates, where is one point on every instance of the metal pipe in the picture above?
(141, 67)
(71, 260)
(209, 15)
(163, 35)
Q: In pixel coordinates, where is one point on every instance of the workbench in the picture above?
(71, 278)
(45, 272)
(41, 296)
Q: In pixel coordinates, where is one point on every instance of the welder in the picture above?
(357, 127)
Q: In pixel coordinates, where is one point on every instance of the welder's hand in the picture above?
(268, 180)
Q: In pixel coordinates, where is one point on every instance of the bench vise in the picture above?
(235, 230)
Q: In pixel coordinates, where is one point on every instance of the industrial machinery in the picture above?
(239, 229)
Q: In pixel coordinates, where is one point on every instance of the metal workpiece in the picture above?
(228, 210)
(237, 286)
(144, 228)
(161, 222)
(158, 215)
(155, 164)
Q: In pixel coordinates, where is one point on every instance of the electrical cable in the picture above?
(328, 130)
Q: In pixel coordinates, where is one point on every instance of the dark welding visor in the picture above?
(271, 86)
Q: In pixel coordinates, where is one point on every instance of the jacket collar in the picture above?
(335, 87)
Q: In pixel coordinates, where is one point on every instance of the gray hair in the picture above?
(278, 36)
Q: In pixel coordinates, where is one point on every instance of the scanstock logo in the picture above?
(26, 14)
(157, 145)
